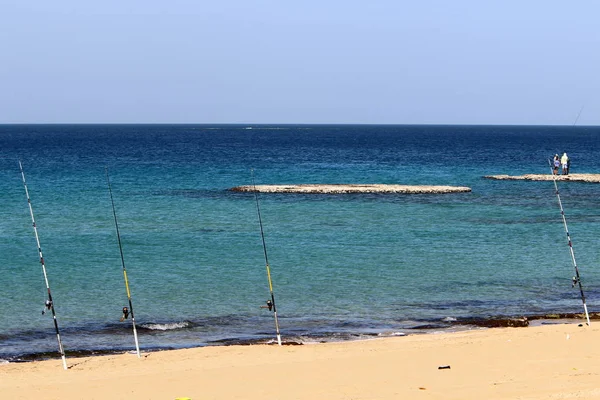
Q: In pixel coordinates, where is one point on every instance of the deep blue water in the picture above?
(343, 266)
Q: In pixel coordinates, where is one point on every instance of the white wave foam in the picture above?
(167, 327)
(398, 334)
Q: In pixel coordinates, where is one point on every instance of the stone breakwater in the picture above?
(341, 188)
(591, 178)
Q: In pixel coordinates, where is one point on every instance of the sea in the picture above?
(343, 266)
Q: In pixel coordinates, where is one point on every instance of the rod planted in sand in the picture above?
(576, 278)
(270, 306)
(135, 337)
(49, 303)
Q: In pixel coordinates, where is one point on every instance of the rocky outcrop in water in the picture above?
(591, 178)
(351, 188)
(592, 315)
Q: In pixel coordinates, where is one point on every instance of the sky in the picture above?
(510, 62)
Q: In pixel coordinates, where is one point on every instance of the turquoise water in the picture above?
(343, 266)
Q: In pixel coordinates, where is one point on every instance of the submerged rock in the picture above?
(498, 322)
(351, 188)
(592, 315)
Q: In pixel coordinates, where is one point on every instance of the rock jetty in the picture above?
(342, 188)
(591, 178)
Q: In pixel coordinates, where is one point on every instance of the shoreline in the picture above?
(536, 362)
(424, 327)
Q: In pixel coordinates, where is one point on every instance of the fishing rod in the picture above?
(49, 304)
(579, 115)
(576, 278)
(126, 312)
(270, 303)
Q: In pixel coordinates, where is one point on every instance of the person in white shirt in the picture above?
(564, 160)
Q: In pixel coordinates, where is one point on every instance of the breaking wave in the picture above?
(168, 326)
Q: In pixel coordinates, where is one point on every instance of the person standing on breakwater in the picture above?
(564, 160)
(555, 164)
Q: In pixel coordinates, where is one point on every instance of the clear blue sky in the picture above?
(280, 61)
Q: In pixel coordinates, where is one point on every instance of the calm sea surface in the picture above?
(343, 266)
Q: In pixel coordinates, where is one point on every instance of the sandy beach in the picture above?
(556, 361)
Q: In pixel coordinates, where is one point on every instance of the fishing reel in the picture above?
(125, 314)
(47, 306)
(269, 305)
(575, 281)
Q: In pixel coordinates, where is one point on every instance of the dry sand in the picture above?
(559, 361)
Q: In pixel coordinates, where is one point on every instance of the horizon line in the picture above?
(292, 124)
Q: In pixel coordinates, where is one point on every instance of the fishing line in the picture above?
(576, 278)
(126, 312)
(270, 303)
(49, 304)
